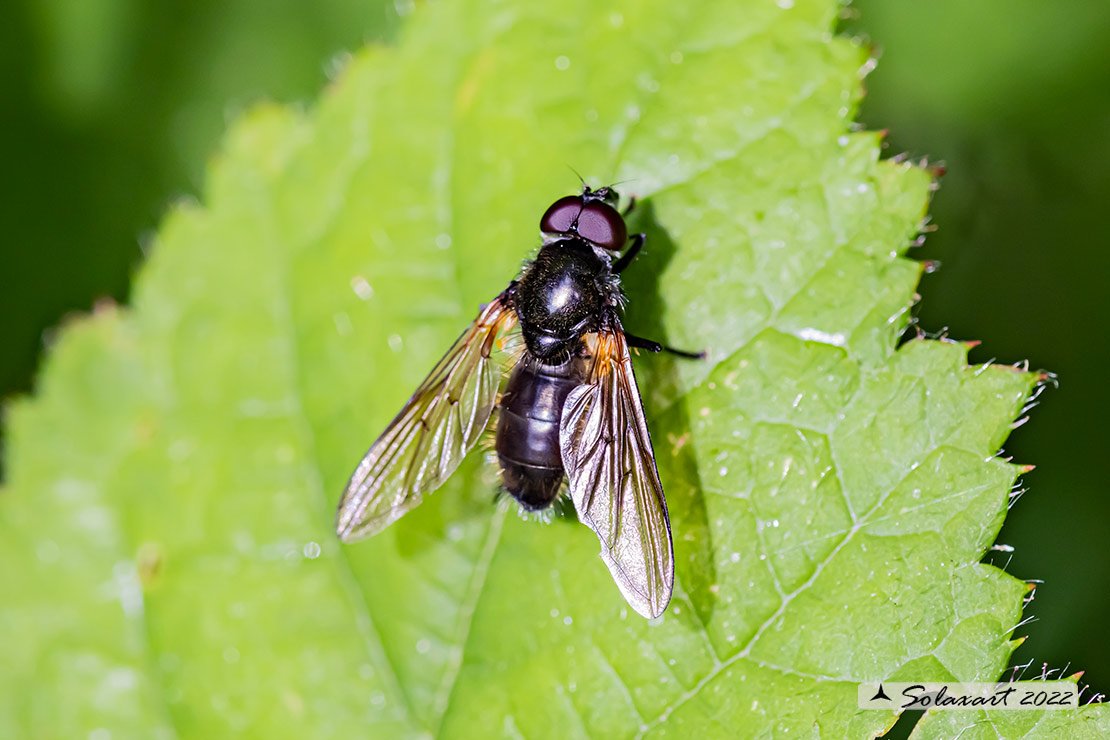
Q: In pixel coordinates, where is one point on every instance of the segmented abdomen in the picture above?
(528, 430)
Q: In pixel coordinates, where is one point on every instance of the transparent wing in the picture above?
(613, 481)
(424, 444)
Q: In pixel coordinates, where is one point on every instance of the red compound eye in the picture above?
(601, 224)
(560, 217)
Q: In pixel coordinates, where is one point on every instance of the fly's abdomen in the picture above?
(528, 430)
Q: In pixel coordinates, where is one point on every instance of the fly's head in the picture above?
(591, 216)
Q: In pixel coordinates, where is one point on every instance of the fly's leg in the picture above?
(627, 257)
(651, 346)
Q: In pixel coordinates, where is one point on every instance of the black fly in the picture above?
(571, 408)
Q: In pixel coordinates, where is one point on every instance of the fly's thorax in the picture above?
(561, 296)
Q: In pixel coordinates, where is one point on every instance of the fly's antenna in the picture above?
(612, 189)
(621, 182)
(581, 179)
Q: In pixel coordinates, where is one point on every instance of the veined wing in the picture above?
(424, 443)
(613, 480)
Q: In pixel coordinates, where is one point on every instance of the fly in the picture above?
(571, 410)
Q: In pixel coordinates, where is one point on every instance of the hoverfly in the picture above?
(570, 410)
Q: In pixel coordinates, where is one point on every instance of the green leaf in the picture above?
(172, 484)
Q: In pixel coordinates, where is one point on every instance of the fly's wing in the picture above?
(424, 444)
(613, 481)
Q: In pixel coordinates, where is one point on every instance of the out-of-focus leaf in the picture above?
(173, 571)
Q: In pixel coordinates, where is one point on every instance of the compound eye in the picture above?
(601, 224)
(561, 215)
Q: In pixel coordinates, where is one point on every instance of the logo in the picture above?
(900, 696)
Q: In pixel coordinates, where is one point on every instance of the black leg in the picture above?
(630, 206)
(650, 346)
(627, 257)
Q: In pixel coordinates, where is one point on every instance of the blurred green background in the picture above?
(111, 108)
